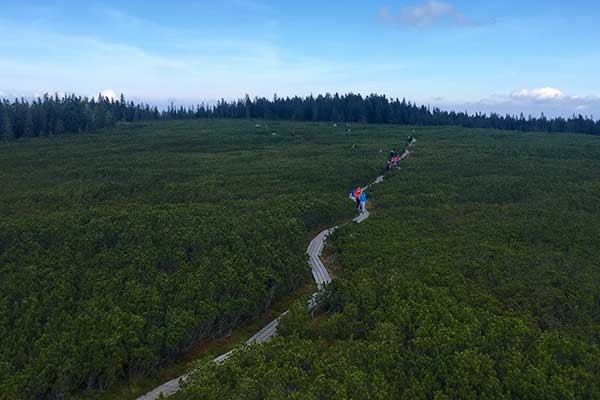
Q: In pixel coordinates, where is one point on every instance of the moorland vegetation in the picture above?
(475, 277)
(119, 250)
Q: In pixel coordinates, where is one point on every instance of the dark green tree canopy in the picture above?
(73, 114)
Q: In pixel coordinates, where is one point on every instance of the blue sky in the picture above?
(507, 56)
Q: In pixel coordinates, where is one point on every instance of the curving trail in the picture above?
(321, 277)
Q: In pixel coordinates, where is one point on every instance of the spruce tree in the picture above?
(59, 127)
(109, 120)
(2, 137)
(7, 126)
(27, 121)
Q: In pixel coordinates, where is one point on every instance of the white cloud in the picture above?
(538, 94)
(548, 100)
(426, 14)
(109, 94)
(551, 101)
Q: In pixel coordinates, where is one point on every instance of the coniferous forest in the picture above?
(54, 115)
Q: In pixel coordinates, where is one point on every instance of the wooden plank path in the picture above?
(321, 277)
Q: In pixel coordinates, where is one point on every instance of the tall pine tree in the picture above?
(27, 121)
(6, 123)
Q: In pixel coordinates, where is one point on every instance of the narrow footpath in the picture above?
(321, 277)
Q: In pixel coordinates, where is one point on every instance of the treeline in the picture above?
(52, 115)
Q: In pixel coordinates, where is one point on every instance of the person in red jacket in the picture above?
(357, 193)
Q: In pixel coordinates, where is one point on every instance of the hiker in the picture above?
(357, 193)
(391, 161)
(363, 203)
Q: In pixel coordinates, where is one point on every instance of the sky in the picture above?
(503, 56)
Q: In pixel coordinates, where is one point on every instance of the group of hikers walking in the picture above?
(393, 161)
(359, 195)
(395, 158)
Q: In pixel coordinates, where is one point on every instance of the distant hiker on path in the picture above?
(363, 203)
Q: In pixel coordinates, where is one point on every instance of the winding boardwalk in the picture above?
(321, 277)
